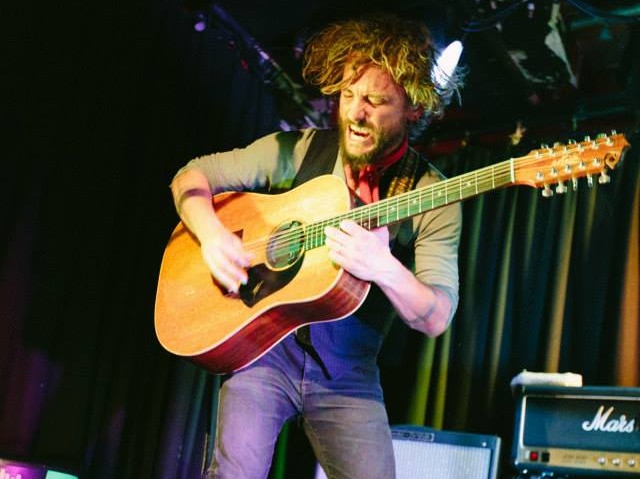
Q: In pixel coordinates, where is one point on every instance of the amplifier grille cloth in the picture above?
(431, 460)
(441, 461)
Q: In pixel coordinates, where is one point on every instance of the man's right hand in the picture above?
(222, 251)
(227, 259)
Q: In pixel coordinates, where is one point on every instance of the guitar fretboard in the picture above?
(406, 205)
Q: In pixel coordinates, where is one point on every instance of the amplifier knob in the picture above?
(616, 461)
(632, 462)
(602, 461)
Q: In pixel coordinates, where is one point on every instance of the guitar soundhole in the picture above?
(286, 245)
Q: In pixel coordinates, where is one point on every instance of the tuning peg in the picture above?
(604, 178)
(547, 192)
(561, 188)
(574, 184)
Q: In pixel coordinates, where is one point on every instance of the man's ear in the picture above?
(416, 112)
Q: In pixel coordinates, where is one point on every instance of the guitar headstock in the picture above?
(560, 164)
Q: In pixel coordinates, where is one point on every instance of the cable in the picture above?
(603, 15)
(491, 22)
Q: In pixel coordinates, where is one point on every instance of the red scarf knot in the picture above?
(367, 188)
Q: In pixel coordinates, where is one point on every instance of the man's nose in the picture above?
(357, 111)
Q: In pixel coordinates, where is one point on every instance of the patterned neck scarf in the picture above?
(367, 185)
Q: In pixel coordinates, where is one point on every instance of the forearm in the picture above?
(222, 251)
(192, 199)
(366, 255)
(422, 307)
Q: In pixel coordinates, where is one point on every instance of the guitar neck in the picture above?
(539, 169)
(406, 205)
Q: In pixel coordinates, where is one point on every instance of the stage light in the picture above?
(447, 63)
(200, 23)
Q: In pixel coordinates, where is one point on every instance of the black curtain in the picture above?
(102, 105)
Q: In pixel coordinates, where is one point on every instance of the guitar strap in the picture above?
(406, 173)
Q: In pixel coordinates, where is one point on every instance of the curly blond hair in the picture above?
(402, 47)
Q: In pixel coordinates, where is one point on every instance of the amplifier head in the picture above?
(577, 430)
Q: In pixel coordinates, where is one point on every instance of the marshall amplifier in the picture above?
(582, 431)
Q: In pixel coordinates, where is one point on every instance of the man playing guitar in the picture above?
(325, 373)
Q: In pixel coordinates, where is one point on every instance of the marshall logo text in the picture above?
(603, 422)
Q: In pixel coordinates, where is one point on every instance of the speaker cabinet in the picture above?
(425, 453)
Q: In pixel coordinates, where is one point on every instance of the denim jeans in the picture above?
(344, 417)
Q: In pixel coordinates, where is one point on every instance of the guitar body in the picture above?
(196, 319)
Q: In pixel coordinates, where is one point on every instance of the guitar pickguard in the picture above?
(264, 281)
(284, 254)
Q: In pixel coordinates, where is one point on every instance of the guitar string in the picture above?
(489, 177)
(313, 234)
(316, 230)
(401, 201)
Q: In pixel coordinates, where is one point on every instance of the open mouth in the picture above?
(359, 133)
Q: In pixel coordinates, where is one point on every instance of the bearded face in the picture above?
(354, 136)
(373, 116)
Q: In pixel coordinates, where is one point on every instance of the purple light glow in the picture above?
(13, 471)
(21, 470)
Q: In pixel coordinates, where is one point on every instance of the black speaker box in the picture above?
(425, 453)
(580, 431)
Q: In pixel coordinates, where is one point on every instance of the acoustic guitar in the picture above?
(292, 282)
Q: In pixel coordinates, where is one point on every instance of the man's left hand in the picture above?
(363, 253)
